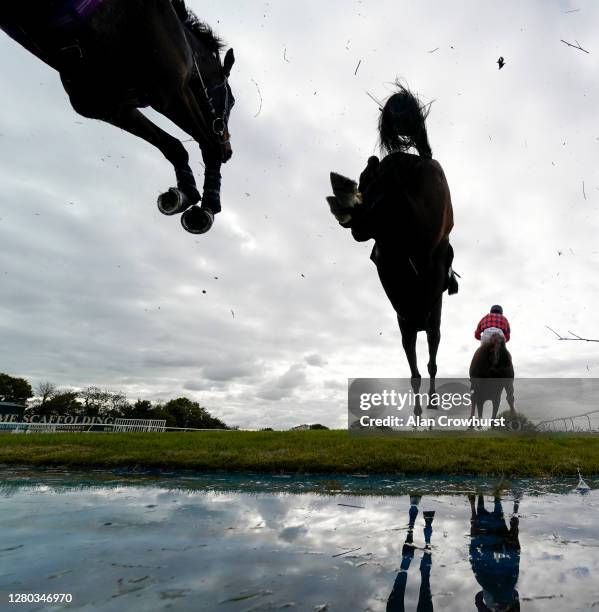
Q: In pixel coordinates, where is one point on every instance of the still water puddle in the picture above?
(250, 542)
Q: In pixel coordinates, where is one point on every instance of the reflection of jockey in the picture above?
(493, 323)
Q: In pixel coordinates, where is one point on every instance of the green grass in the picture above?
(309, 452)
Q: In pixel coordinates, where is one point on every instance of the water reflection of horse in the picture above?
(491, 371)
(396, 601)
(495, 556)
(404, 203)
(115, 57)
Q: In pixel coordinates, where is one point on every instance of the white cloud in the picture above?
(316, 360)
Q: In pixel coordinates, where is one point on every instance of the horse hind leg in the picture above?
(433, 337)
(408, 339)
(496, 403)
(475, 408)
(509, 390)
(479, 407)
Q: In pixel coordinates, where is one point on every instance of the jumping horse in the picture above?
(491, 371)
(117, 56)
(403, 202)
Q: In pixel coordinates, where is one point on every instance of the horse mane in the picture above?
(198, 28)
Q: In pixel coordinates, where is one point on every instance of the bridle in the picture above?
(218, 127)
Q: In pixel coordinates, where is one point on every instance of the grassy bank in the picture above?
(308, 451)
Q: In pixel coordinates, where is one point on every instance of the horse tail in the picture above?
(402, 123)
(500, 356)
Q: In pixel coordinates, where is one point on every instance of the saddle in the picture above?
(49, 29)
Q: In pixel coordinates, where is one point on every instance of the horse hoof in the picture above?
(197, 220)
(172, 202)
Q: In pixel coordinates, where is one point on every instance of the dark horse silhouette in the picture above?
(404, 203)
(117, 56)
(491, 371)
(495, 555)
(396, 600)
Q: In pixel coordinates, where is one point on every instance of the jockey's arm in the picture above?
(507, 332)
(478, 330)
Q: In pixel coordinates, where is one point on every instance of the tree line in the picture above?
(49, 400)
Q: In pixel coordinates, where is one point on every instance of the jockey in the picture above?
(493, 323)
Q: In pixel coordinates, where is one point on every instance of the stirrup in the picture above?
(452, 283)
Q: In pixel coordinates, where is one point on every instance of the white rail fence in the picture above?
(586, 422)
(119, 426)
(144, 425)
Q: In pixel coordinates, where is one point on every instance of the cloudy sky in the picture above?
(264, 319)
